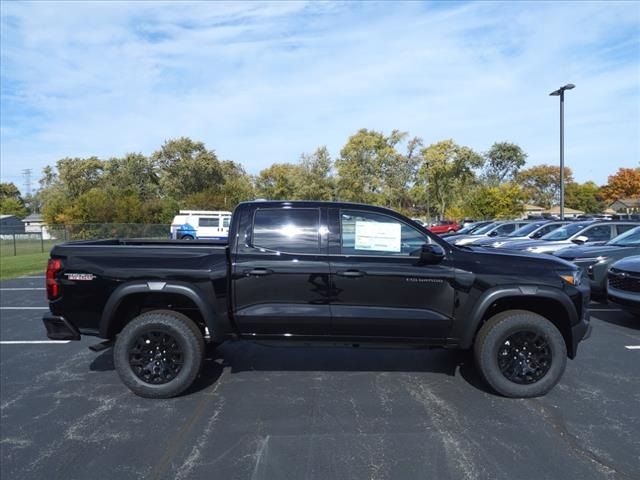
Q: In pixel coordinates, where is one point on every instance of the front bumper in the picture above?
(59, 328)
(581, 330)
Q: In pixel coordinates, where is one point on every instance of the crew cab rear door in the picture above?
(280, 272)
(380, 288)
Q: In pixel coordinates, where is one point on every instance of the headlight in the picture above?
(599, 259)
(572, 278)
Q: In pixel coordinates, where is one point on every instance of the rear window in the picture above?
(290, 230)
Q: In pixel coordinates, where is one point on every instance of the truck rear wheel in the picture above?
(159, 354)
(520, 354)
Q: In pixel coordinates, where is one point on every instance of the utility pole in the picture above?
(560, 93)
(426, 164)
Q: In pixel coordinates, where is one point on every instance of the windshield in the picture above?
(526, 230)
(486, 228)
(472, 227)
(630, 238)
(565, 232)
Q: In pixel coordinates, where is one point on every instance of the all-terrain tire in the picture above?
(189, 342)
(496, 338)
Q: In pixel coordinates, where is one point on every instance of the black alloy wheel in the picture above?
(156, 357)
(525, 357)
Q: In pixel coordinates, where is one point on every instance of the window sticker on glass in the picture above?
(383, 237)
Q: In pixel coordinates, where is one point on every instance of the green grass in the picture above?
(25, 247)
(33, 263)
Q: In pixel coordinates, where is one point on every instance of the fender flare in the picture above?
(497, 293)
(194, 294)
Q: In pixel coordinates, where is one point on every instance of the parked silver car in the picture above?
(495, 229)
(531, 231)
(579, 233)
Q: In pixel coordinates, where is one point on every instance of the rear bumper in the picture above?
(59, 328)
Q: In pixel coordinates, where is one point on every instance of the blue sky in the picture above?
(264, 82)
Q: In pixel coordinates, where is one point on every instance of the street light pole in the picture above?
(560, 93)
(427, 191)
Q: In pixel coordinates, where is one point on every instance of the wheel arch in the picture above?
(128, 299)
(553, 304)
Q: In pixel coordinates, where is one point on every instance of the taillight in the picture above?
(53, 289)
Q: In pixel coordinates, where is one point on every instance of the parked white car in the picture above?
(204, 224)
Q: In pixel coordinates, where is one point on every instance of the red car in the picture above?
(445, 226)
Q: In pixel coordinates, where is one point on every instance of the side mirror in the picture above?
(493, 234)
(431, 254)
(580, 239)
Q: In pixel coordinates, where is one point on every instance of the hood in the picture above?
(465, 239)
(526, 243)
(482, 240)
(592, 251)
(629, 264)
(517, 260)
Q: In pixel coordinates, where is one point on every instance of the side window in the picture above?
(624, 228)
(290, 230)
(544, 230)
(226, 221)
(598, 233)
(367, 233)
(208, 222)
(507, 228)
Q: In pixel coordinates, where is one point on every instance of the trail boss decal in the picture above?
(80, 276)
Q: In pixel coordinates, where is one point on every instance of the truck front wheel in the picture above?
(520, 354)
(159, 354)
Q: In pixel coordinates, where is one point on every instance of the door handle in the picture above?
(258, 272)
(350, 273)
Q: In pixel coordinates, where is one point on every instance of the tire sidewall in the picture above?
(487, 354)
(182, 334)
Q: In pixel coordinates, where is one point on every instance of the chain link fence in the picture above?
(13, 244)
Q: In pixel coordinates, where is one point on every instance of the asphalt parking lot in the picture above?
(262, 412)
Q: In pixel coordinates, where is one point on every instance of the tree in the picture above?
(279, 181)
(583, 196)
(541, 184)
(450, 170)
(315, 181)
(365, 163)
(236, 187)
(11, 202)
(625, 183)
(502, 201)
(186, 167)
(502, 162)
(79, 175)
(134, 171)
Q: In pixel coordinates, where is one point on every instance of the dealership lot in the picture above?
(263, 412)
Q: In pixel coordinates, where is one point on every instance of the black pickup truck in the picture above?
(310, 272)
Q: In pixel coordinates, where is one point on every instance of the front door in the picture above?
(281, 274)
(380, 288)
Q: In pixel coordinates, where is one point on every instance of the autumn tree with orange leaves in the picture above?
(624, 184)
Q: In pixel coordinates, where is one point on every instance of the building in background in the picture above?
(34, 223)
(10, 224)
(626, 206)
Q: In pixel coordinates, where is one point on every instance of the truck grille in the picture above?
(621, 280)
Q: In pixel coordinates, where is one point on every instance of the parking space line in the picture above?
(632, 347)
(31, 342)
(25, 288)
(24, 308)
